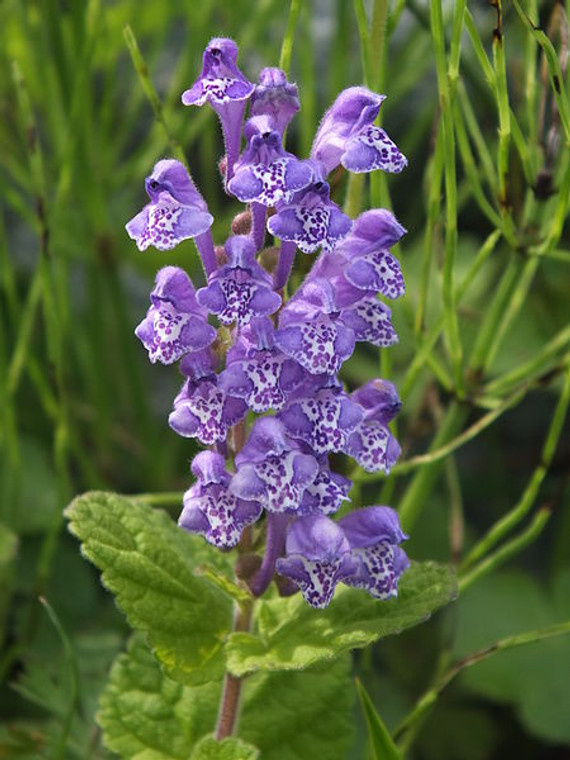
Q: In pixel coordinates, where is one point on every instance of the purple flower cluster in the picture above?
(275, 362)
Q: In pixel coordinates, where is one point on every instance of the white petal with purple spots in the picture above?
(378, 271)
(324, 421)
(282, 493)
(319, 346)
(370, 321)
(373, 447)
(372, 149)
(377, 574)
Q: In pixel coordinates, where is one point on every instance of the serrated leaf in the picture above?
(228, 749)
(145, 715)
(148, 563)
(301, 714)
(292, 635)
(382, 744)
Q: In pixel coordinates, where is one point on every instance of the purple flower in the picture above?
(176, 210)
(324, 420)
(380, 400)
(310, 219)
(241, 289)
(211, 509)
(175, 324)
(257, 371)
(272, 469)
(266, 173)
(203, 410)
(373, 446)
(347, 135)
(225, 87)
(275, 97)
(325, 494)
(370, 265)
(310, 332)
(374, 534)
(370, 320)
(371, 443)
(318, 557)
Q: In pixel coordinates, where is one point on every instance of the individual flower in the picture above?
(241, 289)
(324, 420)
(211, 509)
(310, 332)
(374, 534)
(265, 172)
(370, 265)
(224, 86)
(319, 326)
(176, 210)
(310, 219)
(318, 556)
(258, 371)
(348, 136)
(272, 469)
(276, 98)
(371, 443)
(175, 324)
(202, 410)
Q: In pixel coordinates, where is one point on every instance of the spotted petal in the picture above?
(370, 321)
(318, 557)
(320, 347)
(378, 271)
(217, 514)
(372, 149)
(310, 227)
(238, 297)
(166, 223)
(324, 421)
(380, 569)
(373, 446)
(277, 481)
(325, 494)
(269, 184)
(263, 380)
(204, 411)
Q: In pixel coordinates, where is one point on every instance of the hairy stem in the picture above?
(230, 703)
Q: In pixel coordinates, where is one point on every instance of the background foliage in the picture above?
(482, 363)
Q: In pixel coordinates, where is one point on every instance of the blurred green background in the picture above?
(82, 409)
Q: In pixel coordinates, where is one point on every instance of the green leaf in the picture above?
(147, 716)
(383, 747)
(292, 635)
(148, 563)
(228, 749)
(301, 714)
(534, 677)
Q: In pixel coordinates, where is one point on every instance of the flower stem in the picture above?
(275, 541)
(230, 703)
